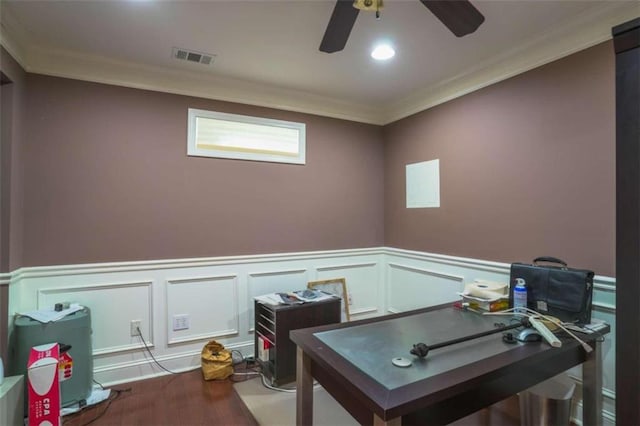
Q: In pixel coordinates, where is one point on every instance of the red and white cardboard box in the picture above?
(263, 349)
(44, 385)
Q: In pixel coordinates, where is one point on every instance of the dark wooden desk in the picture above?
(352, 361)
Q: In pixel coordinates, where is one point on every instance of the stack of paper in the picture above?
(294, 297)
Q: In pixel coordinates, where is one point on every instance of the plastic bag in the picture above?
(217, 362)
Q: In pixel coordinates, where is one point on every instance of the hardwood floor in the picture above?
(182, 399)
(186, 399)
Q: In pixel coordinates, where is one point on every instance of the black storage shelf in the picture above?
(273, 323)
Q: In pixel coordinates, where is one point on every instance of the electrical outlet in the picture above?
(180, 322)
(135, 325)
(349, 299)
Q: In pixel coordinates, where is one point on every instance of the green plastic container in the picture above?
(73, 330)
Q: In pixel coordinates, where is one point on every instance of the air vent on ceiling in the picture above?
(193, 56)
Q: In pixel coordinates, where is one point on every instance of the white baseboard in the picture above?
(147, 368)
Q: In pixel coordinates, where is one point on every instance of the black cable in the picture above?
(98, 383)
(242, 359)
(247, 372)
(599, 337)
(154, 358)
(117, 392)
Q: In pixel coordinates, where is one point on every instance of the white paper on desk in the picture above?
(270, 299)
(50, 315)
(480, 299)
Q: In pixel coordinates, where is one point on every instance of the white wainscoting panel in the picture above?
(211, 304)
(218, 295)
(112, 306)
(604, 309)
(413, 287)
(364, 286)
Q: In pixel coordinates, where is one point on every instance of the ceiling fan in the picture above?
(460, 16)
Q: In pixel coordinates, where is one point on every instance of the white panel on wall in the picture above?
(412, 288)
(362, 281)
(277, 281)
(608, 348)
(113, 307)
(207, 306)
(423, 184)
(604, 308)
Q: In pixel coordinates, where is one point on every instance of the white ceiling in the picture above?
(267, 51)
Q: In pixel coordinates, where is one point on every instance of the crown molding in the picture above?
(13, 38)
(582, 32)
(61, 63)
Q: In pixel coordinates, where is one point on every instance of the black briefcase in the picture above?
(555, 290)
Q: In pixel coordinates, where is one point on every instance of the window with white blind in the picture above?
(240, 137)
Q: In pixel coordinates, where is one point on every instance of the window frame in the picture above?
(194, 151)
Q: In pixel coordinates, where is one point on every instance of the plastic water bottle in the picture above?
(520, 296)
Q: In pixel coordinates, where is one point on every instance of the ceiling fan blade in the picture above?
(337, 33)
(460, 16)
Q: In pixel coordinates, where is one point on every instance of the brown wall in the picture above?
(12, 93)
(108, 179)
(527, 168)
(12, 114)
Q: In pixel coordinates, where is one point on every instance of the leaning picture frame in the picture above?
(337, 287)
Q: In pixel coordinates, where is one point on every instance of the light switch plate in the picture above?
(180, 322)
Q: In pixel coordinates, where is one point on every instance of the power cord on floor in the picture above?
(256, 370)
(268, 386)
(247, 372)
(114, 394)
(154, 358)
(117, 393)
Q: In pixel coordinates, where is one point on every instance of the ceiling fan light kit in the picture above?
(370, 5)
(382, 52)
(459, 16)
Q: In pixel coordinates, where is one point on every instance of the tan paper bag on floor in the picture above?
(217, 363)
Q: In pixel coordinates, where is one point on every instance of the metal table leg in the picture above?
(592, 387)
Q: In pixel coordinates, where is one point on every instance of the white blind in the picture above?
(245, 137)
(215, 134)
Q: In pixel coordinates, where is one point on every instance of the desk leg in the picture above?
(304, 389)
(377, 421)
(592, 387)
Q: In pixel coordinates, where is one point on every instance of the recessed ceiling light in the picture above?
(382, 52)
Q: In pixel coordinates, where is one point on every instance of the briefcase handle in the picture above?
(550, 260)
